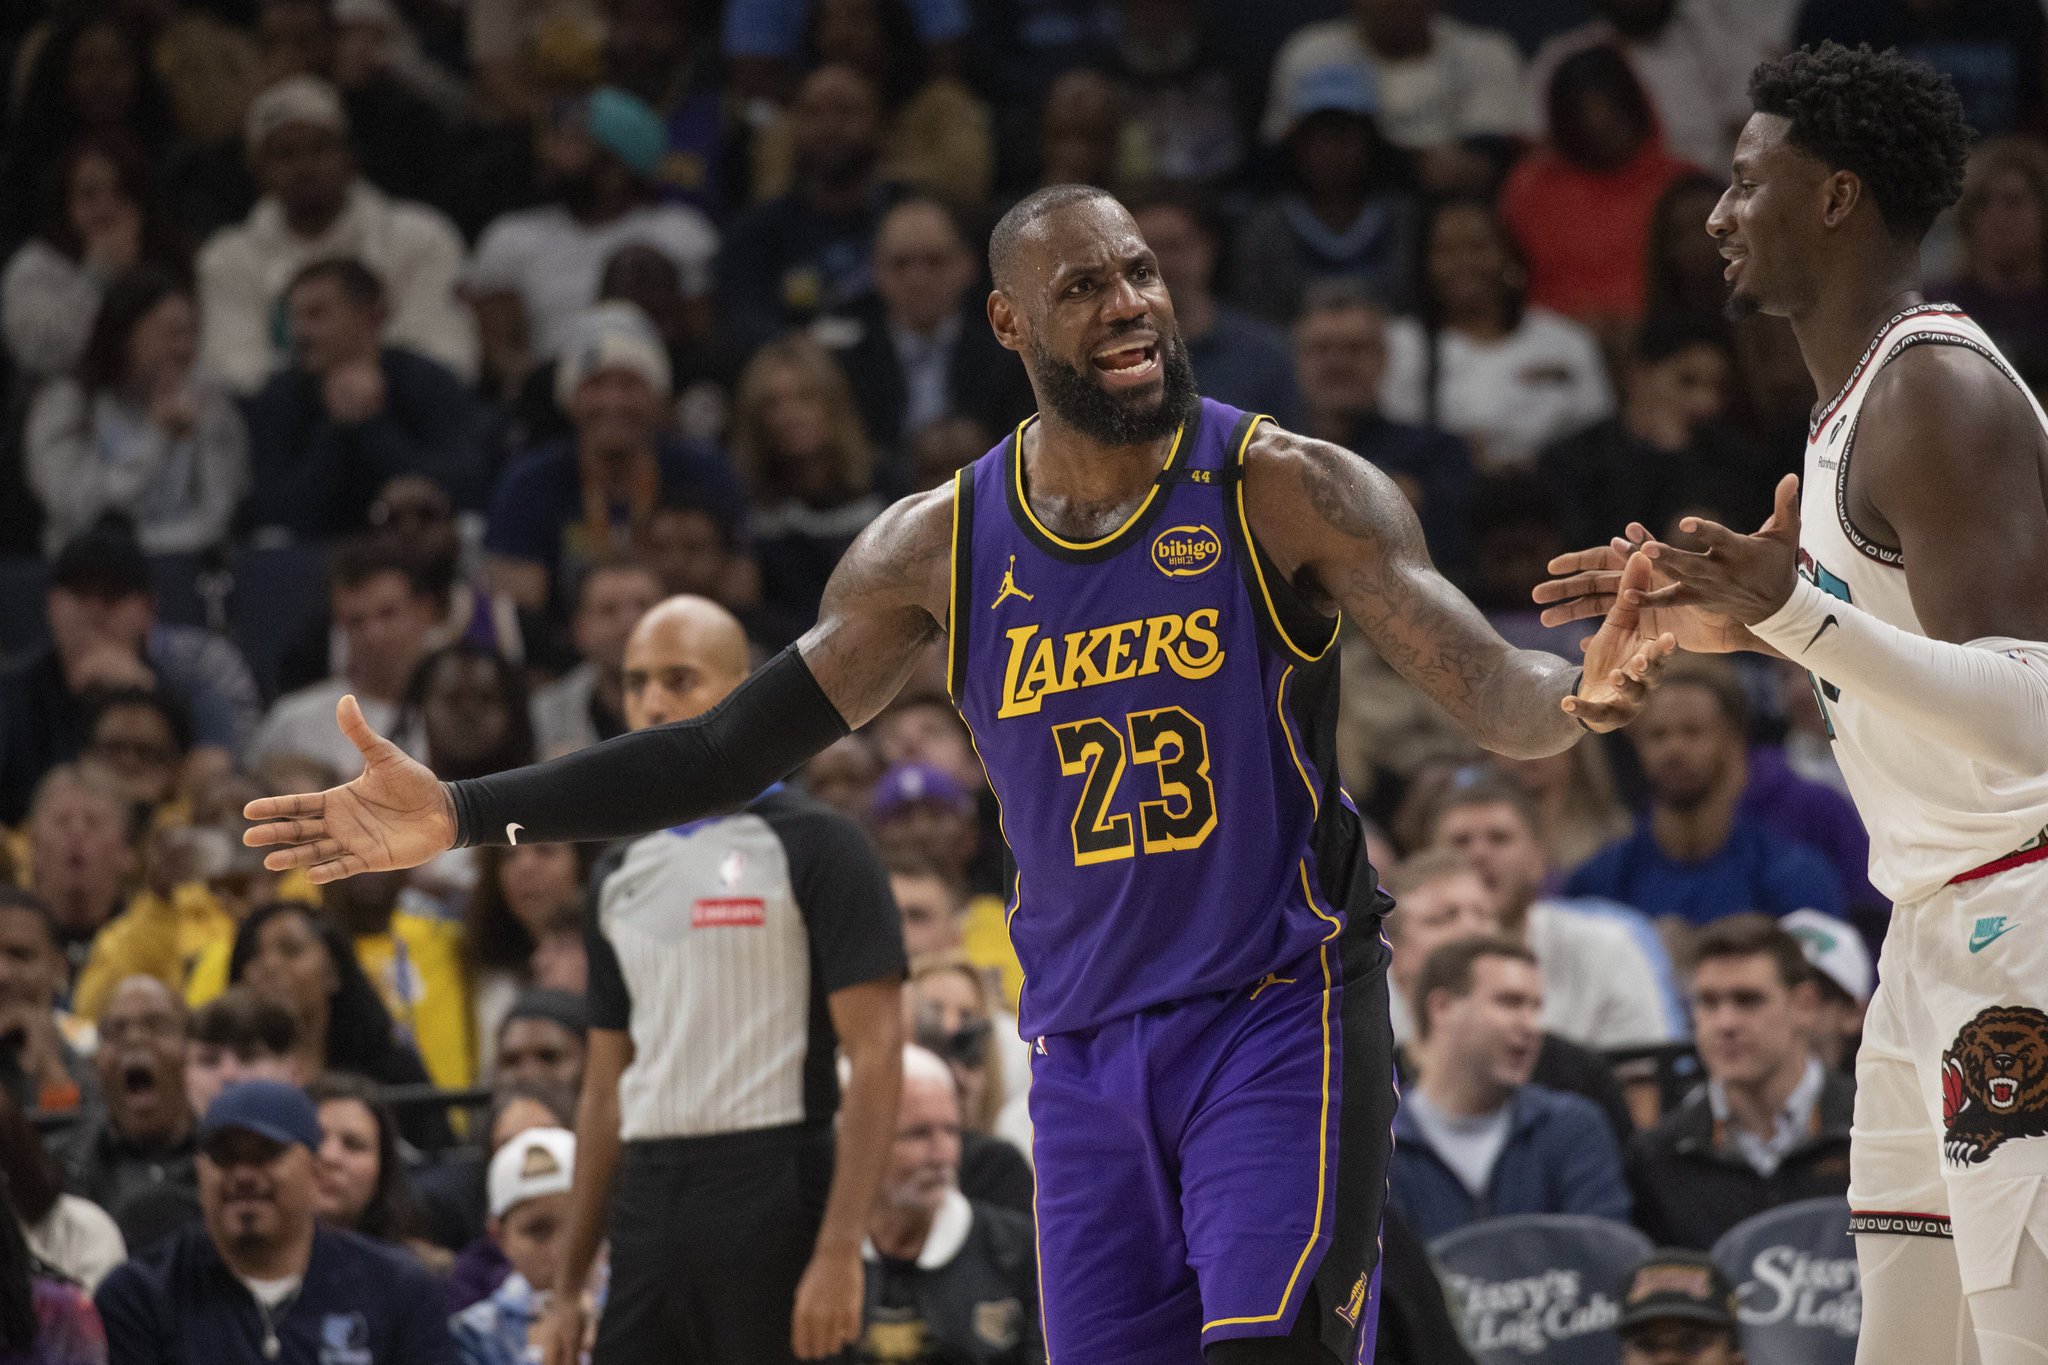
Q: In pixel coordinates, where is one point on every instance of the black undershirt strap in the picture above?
(651, 779)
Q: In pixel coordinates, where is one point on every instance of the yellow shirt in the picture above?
(417, 968)
(157, 936)
(985, 938)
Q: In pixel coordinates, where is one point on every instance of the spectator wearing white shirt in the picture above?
(537, 269)
(99, 219)
(134, 431)
(1607, 980)
(1441, 82)
(1480, 363)
(315, 206)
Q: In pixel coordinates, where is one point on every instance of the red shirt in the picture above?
(1587, 233)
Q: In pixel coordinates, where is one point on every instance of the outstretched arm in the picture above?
(1341, 529)
(1977, 682)
(885, 600)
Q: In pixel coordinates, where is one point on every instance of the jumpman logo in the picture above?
(1010, 588)
(1272, 979)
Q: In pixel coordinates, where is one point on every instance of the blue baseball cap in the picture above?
(904, 783)
(269, 1109)
(1345, 87)
(623, 125)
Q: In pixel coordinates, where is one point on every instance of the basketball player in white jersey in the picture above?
(1910, 577)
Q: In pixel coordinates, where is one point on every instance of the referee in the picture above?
(727, 958)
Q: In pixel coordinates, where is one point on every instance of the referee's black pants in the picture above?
(709, 1238)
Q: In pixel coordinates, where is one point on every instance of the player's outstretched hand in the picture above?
(1745, 578)
(1586, 584)
(1622, 661)
(395, 815)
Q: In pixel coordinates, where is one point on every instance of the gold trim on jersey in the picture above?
(1322, 1168)
(1017, 463)
(1251, 550)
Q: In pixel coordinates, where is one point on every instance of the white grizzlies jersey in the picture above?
(1932, 813)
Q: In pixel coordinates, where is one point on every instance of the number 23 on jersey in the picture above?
(1169, 740)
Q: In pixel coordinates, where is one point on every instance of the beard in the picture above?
(1079, 399)
(1741, 307)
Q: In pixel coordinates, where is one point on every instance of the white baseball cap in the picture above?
(1834, 949)
(611, 336)
(538, 1161)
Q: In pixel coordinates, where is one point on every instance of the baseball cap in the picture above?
(611, 336)
(269, 1109)
(1834, 949)
(536, 1162)
(904, 783)
(105, 560)
(1677, 1283)
(296, 99)
(1343, 87)
(623, 125)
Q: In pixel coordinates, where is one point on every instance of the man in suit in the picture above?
(917, 349)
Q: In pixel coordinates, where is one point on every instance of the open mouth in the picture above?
(138, 1079)
(2004, 1091)
(1133, 363)
(1735, 260)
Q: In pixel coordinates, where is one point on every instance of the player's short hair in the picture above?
(245, 1024)
(1008, 237)
(1716, 677)
(1452, 968)
(357, 282)
(1753, 935)
(1897, 124)
(1486, 789)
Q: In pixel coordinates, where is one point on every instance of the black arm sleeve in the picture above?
(648, 780)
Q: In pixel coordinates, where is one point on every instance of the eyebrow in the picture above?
(1066, 274)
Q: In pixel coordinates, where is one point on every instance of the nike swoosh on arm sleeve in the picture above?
(650, 779)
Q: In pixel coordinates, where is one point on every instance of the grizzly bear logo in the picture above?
(1994, 1082)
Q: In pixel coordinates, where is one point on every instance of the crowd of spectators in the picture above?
(417, 351)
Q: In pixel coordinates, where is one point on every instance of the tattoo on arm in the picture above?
(884, 602)
(1363, 542)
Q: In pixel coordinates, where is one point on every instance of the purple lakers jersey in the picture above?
(1156, 712)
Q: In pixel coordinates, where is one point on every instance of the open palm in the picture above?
(395, 815)
(1587, 586)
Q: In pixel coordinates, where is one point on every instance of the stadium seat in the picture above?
(1539, 1289)
(1794, 1269)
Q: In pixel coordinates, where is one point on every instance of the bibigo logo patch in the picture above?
(1187, 551)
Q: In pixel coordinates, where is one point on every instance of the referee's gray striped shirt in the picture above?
(715, 944)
